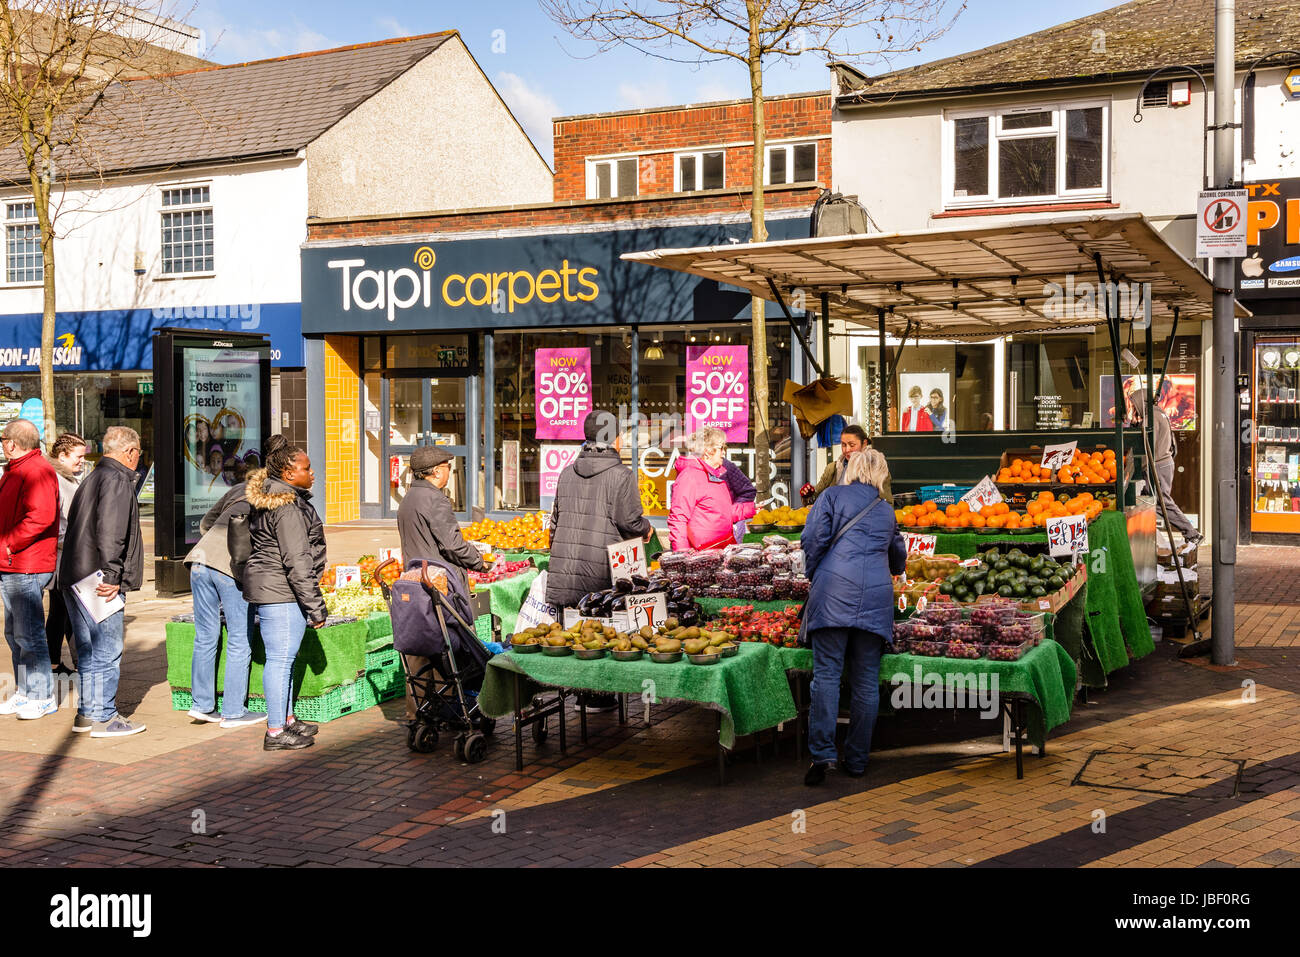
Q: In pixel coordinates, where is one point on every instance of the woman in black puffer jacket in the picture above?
(282, 579)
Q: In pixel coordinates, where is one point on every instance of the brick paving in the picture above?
(1176, 763)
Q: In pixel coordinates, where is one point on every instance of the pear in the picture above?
(639, 642)
(556, 641)
(695, 646)
(668, 645)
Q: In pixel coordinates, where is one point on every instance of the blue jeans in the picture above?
(25, 632)
(833, 649)
(213, 593)
(282, 629)
(99, 658)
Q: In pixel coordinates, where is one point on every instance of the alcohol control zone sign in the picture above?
(1221, 223)
(562, 380)
(717, 390)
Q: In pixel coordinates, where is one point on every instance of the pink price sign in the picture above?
(717, 390)
(554, 460)
(562, 380)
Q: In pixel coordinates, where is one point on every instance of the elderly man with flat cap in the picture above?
(426, 521)
(429, 529)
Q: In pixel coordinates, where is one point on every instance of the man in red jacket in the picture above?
(29, 537)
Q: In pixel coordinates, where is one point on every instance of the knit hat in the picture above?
(426, 457)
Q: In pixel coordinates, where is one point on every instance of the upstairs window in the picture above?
(698, 171)
(607, 179)
(791, 163)
(23, 263)
(187, 245)
(1032, 154)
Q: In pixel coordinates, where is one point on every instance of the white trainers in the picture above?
(211, 717)
(13, 703)
(37, 708)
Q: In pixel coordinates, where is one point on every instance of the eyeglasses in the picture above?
(136, 450)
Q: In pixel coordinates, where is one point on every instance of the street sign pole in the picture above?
(1224, 450)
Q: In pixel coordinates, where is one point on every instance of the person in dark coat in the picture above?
(67, 457)
(216, 598)
(597, 504)
(282, 579)
(429, 530)
(103, 536)
(426, 521)
(850, 611)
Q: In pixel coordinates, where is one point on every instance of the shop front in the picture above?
(103, 362)
(1268, 369)
(497, 348)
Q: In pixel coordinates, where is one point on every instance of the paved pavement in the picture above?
(1176, 763)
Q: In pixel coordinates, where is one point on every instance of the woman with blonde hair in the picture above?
(852, 547)
(703, 510)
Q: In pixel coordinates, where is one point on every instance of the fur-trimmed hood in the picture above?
(63, 470)
(268, 493)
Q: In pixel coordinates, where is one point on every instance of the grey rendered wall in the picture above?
(438, 137)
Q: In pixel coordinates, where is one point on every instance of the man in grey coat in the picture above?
(426, 520)
(428, 528)
(597, 504)
(1162, 456)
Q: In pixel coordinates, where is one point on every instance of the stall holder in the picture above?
(971, 283)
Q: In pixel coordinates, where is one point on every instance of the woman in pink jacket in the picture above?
(703, 511)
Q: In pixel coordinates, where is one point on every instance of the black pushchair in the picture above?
(429, 624)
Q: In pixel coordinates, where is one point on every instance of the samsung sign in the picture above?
(515, 282)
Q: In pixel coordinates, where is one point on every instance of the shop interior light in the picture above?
(653, 351)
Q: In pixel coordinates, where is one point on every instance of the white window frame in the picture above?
(192, 207)
(696, 187)
(25, 221)
(788, 149)
(997, 135)
(612, 161)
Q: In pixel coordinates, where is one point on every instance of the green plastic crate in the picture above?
(383, 681)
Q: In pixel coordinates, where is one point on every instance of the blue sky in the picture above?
(543, 72)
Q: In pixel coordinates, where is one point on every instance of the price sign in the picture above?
(984, 493)
(644, 610)
(627, 559)
(717, 390)
(920, 605)
(386, 553)
(554, 460)
(970, 563)
(562, 380)
(902, 602)
(345, 576)
(1067, 535)
(919, 544)
(1058, 456)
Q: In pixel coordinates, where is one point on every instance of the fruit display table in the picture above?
(507, 597)
(1105, 627)
(1045, 677)
(749, 691)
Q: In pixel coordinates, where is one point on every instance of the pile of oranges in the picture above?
(930, 515)
(1047, 506)
(523, 531)
(961, 516)
(1086, 468)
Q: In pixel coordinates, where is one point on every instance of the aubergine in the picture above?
(606, 606)
(587, 602)
(620, 603)
(689, 617)
(640, 583)
(623, 586)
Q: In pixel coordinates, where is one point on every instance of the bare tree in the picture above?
(756, 32)
(60, 59)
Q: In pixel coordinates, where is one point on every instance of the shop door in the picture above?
(423, 410)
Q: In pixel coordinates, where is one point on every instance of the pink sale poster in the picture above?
(562, 379)
(717, 390)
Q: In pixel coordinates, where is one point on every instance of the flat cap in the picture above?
(426, 457)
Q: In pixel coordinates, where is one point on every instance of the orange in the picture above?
(951, 511)
(908, 519)
(977, 521)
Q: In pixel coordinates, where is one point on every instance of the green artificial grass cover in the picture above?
(750, 690)
(1047, 673)
(328, 658)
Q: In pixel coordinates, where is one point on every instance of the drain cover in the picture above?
(1186, 775)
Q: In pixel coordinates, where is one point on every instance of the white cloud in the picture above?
(638, 96)
(532, 107)
(393, 28)
(234, 44)
(712, 91)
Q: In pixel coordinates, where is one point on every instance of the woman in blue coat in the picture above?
(850, 610)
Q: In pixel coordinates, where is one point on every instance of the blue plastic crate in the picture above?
(943, 494)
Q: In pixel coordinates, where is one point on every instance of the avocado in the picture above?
(1006, 592)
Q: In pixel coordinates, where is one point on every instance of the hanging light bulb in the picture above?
(653, 352)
